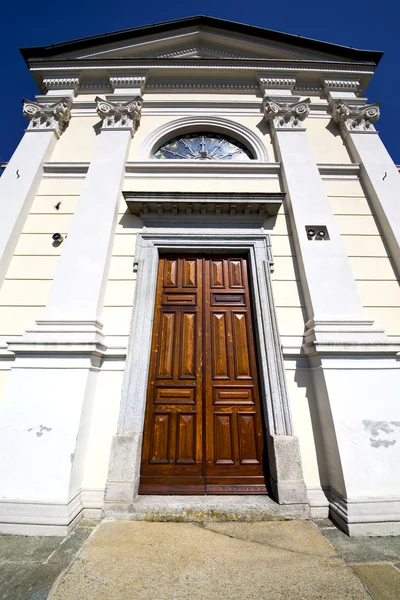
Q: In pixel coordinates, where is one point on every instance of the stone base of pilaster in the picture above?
(28, 517)
(365, 517)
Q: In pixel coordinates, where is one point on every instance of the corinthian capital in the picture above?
(120, 115)
(354, 117)
(285, 115)
(45, 117)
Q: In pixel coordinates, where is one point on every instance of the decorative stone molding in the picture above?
(309, 88)
(45, 117)
(120, 115)
(339, 85)
(199, 51)
(127, 82)
(280, 83)
(61, 83)
(354, 118)
(285, 115)
(182, 125)
(95, 85)
(207, 85)
(169, 208)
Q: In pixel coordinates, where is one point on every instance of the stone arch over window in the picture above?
(231, 130)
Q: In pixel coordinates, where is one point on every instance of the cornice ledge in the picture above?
(182, 207)
(187, 167)
(332, 170)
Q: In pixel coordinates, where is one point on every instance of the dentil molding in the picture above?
(48, 117)
(120, 115)
(61, 83)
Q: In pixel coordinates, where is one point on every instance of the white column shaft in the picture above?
(327, 280)
(79, 284)
(381, 179)
(18, 187)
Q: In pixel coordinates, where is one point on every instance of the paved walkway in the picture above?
(139, 560)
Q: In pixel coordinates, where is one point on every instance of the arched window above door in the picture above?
(203, 145)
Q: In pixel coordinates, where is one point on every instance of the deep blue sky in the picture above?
(367, 25)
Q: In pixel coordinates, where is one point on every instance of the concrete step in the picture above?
(205, 508)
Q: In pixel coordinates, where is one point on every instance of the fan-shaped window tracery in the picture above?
(203, 146)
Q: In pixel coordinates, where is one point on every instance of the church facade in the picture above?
(199, 299)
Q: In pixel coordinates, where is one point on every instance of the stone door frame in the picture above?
(286, 478)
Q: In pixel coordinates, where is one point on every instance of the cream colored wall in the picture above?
(326, 142)
(24, 292)
(285, 284)
(120, 289)
(78, 141)
(376, 280)
(208, 184)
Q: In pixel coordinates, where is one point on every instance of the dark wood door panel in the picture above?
(233, 424)
(172, 455)
(203, 427)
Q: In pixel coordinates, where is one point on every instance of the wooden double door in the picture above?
(203, 428)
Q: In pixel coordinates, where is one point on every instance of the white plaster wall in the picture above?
(302, 402)
(103, 424)
(368, 431)
(4, 374)
(372, 269)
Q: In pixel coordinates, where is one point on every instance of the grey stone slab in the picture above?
(205, 508)
(359, 550)
(22, 581)
(70, 546)
(27, 549)
(324, 523)
(235, 561)
(383, 581)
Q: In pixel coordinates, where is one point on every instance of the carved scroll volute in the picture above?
(48, 117)
(286, 115)
(120, 115)
(353, 118)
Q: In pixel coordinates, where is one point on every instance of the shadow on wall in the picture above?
(303, 380)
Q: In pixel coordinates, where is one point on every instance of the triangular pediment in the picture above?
(199, 43)
(197, 38)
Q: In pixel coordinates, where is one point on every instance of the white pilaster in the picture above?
(48, 403)
(379, 174)
(331, 297)
(353, 365)
(21, 179)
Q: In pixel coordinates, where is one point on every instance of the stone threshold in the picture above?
(205, 509)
